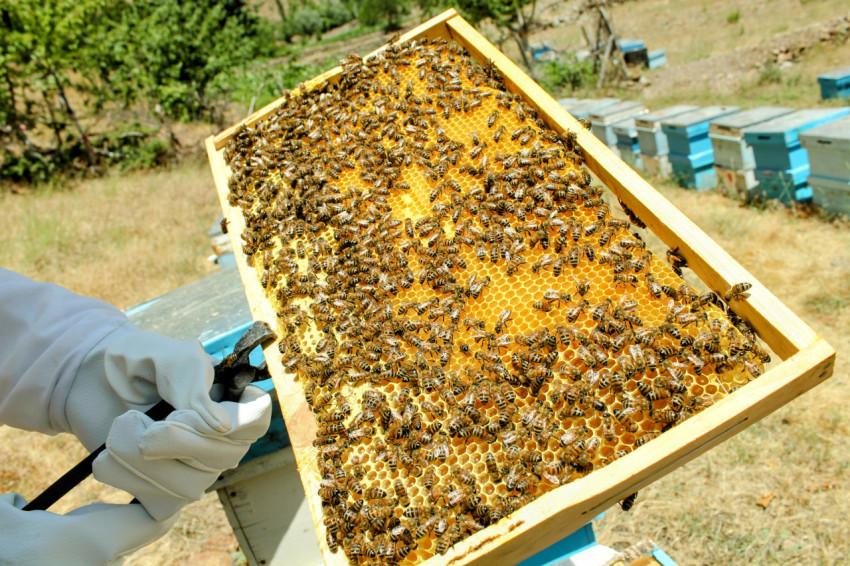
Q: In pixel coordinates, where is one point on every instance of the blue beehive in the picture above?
(828, 147)
(733, 157)
(656, 59)
(652, 140)
(835, 84)
(782, 164)
(691, 154)
(627, 143)
(583, 108)
(727, 137)
(629, 45)
(831, 194)
(602, 120)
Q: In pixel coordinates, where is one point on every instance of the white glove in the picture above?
(133, 369)
(168, 464)
(94, 534)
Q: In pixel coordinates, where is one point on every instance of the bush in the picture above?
(64, 63)
(770, 74)
(567, 72)
(307, 22)
(335, 14)
(266, 85)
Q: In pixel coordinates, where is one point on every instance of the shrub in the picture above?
(567, 72)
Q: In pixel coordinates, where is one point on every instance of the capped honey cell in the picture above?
(471, 325)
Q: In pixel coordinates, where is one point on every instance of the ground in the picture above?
(774, 494)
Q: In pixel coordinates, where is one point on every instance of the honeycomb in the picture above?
(471, 324)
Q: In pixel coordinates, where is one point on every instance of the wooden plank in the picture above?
(550, 517)
(776, 324)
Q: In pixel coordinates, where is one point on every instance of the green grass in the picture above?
(733, 17)
(824, 302)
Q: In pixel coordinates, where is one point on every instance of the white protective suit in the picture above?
(75, 364)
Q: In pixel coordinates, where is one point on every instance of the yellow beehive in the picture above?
(468, 325)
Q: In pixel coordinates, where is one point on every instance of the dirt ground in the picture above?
(775, 494)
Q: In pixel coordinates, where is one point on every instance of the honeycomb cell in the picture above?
(450, 286)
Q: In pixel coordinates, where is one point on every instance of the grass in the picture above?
(123, 239)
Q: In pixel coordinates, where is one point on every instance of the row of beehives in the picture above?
(777, 153)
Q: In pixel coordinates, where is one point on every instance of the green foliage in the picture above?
(733, 17)
(386, 12)
(174, 50)
(266, 85)
(314, 18)
(567, 72)
(65, 65)
(770, 74)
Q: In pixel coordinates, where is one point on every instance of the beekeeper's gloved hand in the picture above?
(94, 534)
(170, 463)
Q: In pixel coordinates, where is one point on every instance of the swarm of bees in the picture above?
(471, 325)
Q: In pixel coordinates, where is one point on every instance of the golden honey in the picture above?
(471, 325)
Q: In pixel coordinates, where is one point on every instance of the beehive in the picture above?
(408, 378)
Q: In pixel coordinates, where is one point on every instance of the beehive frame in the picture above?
(807, 359)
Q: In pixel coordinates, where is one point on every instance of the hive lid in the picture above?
(650, 120)
(836, 74)
(733, 124)
(583, 108)
(785, 129)
(617, 112)
(565, 102)
(699, 116)
(625, 128)
(833, 135)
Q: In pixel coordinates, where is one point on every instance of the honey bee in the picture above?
(676, 260)
(665, 415)
(557, 296)
(574, 312)
(737, 292)
(543, 306)
(504, 318)
(544, 261)
(627, 503)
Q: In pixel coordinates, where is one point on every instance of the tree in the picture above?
(373, 12)
(64, 62)
(516, 19)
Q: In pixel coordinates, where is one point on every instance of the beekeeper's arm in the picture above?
(75, 364)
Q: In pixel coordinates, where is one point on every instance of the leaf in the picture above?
(765, 499)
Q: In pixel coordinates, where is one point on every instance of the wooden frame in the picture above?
(807, 358)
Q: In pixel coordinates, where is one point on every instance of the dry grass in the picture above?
(122, 239)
